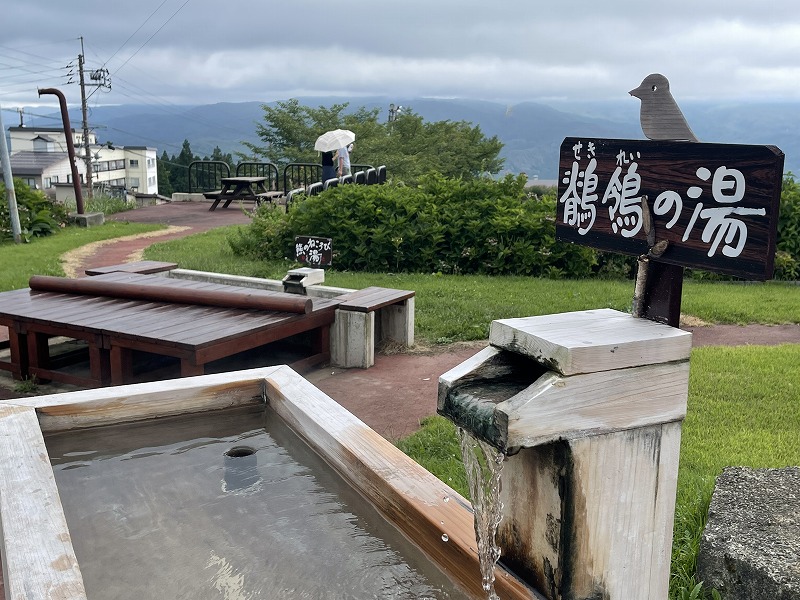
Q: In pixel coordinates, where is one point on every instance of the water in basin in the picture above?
(157, 510)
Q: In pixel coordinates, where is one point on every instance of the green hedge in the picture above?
(443, 225)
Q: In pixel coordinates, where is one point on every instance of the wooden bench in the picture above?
(143, 267)
(269, 196)
(366, 318)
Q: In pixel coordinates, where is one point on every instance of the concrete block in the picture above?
(751, 544)
(397, 323)
(353, 339)
(87, 219)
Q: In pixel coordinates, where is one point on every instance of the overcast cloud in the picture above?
(204, 51)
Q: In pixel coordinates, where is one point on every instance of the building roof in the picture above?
(37, 129)
(27, 162)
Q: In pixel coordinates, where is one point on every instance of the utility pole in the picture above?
(8, 178)
(87, 151)
(99, 78)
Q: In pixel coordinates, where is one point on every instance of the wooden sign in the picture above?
(313, 251)
(707, 206)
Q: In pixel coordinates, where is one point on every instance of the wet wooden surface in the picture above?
(113, 327)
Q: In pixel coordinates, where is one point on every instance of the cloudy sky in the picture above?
(167, 52)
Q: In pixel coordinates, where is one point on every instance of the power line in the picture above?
(135, 32)
(152, 36)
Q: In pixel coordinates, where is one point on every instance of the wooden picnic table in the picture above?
(241, 188)
(114, 328)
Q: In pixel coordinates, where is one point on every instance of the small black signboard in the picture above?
(313, 251)
(715, 204)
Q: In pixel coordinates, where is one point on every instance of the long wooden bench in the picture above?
(366, 318)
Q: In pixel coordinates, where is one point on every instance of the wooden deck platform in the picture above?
(113, 329)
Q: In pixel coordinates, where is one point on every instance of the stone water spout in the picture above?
(588, 407)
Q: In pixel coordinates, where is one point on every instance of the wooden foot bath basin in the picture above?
(39, 540)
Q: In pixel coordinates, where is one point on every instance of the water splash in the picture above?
(484, 465)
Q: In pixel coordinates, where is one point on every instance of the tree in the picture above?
(290, 130)
(163, 172)
(220, 156)
(179, 170)
(408, 146)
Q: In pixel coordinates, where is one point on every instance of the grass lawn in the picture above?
(42, 256)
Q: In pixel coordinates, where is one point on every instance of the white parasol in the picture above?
(333, 140)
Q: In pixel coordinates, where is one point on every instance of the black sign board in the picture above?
(313, 251)
(712, 206)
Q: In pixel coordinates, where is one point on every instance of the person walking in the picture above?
(344, 160)
(328, 169)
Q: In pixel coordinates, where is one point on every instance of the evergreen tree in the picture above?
(164, 172)
(179, 171)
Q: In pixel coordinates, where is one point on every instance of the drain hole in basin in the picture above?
(240, 451)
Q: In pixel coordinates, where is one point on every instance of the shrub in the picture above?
(789, 228)
(38, 215)
(443, 225)
(108, 205)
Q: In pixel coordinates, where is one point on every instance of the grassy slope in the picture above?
(42, 256)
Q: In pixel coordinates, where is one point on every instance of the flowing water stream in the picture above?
(484, 464)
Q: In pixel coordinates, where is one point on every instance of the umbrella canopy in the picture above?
(333, 140)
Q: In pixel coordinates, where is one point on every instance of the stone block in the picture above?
(750, 549)
(87, 219)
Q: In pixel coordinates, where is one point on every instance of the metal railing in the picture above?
(260, 169)
(205, 175)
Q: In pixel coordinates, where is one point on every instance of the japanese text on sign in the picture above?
(314, 251)
(716, 199)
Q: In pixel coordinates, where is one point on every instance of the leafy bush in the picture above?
(443, 225)
(38, 215)
(789, 225)
(108, 205)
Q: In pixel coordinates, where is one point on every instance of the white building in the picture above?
(114, 169)
(43, 170)
(132, 168)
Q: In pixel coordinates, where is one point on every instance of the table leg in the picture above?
(190, 369)
(100, 364)
(238, 192)
(38, 352)
(121, 365)
(18, 349)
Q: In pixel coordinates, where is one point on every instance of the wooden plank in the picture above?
(592, 340)
(256, 338)
(121, 404)
(38, 558)
(421, 506)
(558, 407)
(373, 298)
(144, 267)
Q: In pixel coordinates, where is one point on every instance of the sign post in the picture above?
(674, 205)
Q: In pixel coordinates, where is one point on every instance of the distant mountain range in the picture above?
(531, 132)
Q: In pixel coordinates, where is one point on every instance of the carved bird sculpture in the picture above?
(660, 116)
